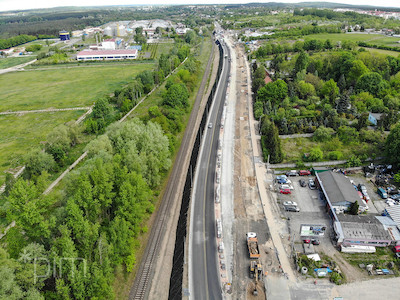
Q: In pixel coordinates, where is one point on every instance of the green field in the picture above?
(376, 39)
(63, 87)
(294, 149)
(14, 61)
(381, 51)
(19, 134)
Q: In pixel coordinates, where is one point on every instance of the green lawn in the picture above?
(376, 39)
(14, 61)
(63, 87)
(19, 134)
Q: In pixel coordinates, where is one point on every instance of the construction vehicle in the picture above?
(252, 244)
(256, 273)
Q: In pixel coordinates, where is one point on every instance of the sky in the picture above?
(6, 5)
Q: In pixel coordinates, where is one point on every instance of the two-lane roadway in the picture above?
(204, 276)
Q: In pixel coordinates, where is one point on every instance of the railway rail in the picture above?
(140, 289)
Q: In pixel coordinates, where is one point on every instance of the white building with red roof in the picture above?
(107, 54)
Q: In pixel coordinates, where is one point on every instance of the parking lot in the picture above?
(312, 212)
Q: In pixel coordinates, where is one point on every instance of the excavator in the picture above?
(256, 273)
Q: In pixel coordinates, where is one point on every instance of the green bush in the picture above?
(335, 155)
(336, 278)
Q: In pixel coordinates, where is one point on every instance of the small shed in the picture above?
(374, 118)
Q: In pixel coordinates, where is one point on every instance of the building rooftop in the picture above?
(338, 188)
(366, 227)
(108, 52)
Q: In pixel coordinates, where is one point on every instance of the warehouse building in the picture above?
(338, 191)
(87, 55)
(366, 230)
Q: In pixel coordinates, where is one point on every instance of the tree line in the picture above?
(16, 41)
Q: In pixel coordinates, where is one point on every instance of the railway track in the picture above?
(140, 288)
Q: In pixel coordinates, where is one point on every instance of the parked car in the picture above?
(381, 192)
(210, 125)
(303, 183)
(285, 191)
(311, 184)
(281, 179)
(289, 203)
(292, 173)
(306, 240)
(292, 208)
(390, 202)
(395, 197)
(286, 186)
(362, 188)
(315, 241)
(304, 172)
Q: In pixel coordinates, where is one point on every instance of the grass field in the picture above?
(14, 61)
(381, 51)
(376, 39)
(63, 87)
(19, 134)
(294, 149)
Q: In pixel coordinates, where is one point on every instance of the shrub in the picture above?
(315, 154)
(335, 155)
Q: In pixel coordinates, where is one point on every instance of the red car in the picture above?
(306, 241)
(304, 173)
(285, 191)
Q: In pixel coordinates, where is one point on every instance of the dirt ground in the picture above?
(248, 208)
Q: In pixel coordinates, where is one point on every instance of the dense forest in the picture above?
(330, 94)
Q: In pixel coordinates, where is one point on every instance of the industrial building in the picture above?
(64, 35)
(364, 230)
(87, 55)
(338, 191)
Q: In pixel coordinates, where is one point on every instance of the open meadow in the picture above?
(63, 87)
(19, 134)
(14, 61)
(376, 39)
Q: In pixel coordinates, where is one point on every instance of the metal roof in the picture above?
(338, 188)
(107, 52)
(394, 213)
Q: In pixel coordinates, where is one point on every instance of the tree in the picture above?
(323, 134)
(301, 62)
(275, 92)
(356, 71)
(392, 146)
(270, 142)
(176, 95)
(353, 209)
(342, 83)
(371, 82)
(305, 89)
(38, 161)
(344, 103)
(315, 154)
(330, 90)
(347, 135)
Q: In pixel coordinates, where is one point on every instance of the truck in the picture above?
(252, 244)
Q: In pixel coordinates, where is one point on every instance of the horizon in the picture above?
(12, 5)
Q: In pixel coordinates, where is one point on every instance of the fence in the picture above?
(175, 286)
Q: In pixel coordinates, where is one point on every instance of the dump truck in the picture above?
(252, 244)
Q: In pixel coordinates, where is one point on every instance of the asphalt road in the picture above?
(204, 273)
